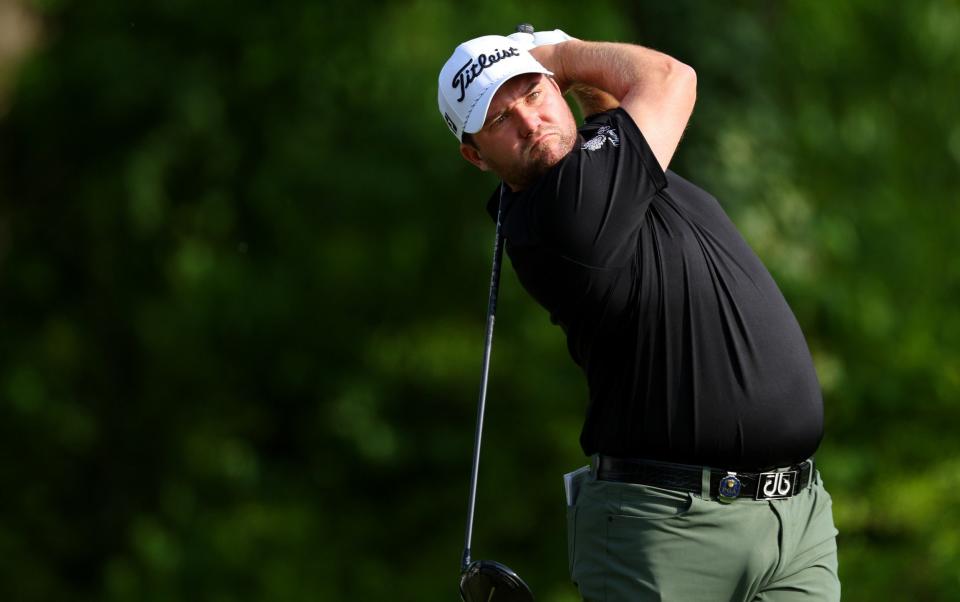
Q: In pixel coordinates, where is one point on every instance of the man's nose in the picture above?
(529, 121)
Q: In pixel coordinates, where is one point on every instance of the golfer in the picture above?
(705, 410)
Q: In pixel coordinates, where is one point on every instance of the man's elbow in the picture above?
(681, 78)
(682, 70)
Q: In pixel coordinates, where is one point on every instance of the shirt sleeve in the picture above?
(592, 207)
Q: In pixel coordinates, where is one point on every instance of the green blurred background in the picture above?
(243, 275)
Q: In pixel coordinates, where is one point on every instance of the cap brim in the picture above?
(478, 114)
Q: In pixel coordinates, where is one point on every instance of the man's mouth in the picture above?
(540, 139)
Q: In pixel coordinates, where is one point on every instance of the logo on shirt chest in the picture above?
(604, 134)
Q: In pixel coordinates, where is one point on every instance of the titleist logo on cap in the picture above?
(470, 71)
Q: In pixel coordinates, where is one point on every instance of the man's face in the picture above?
(528, 129)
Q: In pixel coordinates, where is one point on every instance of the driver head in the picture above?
(490, 581)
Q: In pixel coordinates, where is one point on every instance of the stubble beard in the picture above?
(540, 157)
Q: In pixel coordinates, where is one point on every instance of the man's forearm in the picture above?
(656, 90)
(611, 67)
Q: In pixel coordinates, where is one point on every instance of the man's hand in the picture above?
(541, 44)
(657, 91)
(543, 41)
(529, 41)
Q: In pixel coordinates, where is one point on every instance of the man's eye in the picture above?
(534, 95)
(500, 119)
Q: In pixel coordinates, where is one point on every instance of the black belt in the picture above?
(725, 485)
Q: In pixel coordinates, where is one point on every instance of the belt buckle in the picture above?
(729, 488)
(776, 485)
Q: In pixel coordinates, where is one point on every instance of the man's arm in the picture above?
(657, 91)
(592, 100)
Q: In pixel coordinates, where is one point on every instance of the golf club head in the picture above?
(490, 581)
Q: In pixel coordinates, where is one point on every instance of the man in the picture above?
(704, 408)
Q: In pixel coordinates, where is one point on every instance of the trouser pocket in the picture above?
(573, 481)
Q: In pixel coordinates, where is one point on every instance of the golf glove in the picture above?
(528, 41)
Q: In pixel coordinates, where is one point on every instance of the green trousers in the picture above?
(632, 543)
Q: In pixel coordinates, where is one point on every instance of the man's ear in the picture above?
(472, 154)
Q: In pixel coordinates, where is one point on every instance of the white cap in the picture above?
(474, 73)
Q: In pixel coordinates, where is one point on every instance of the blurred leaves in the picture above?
(243, 277)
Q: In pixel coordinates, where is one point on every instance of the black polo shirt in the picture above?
(691, 352)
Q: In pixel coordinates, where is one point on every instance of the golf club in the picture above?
(488, 580)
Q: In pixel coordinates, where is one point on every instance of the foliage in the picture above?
(243, 276)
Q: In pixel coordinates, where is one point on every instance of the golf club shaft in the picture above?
(484, 373)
